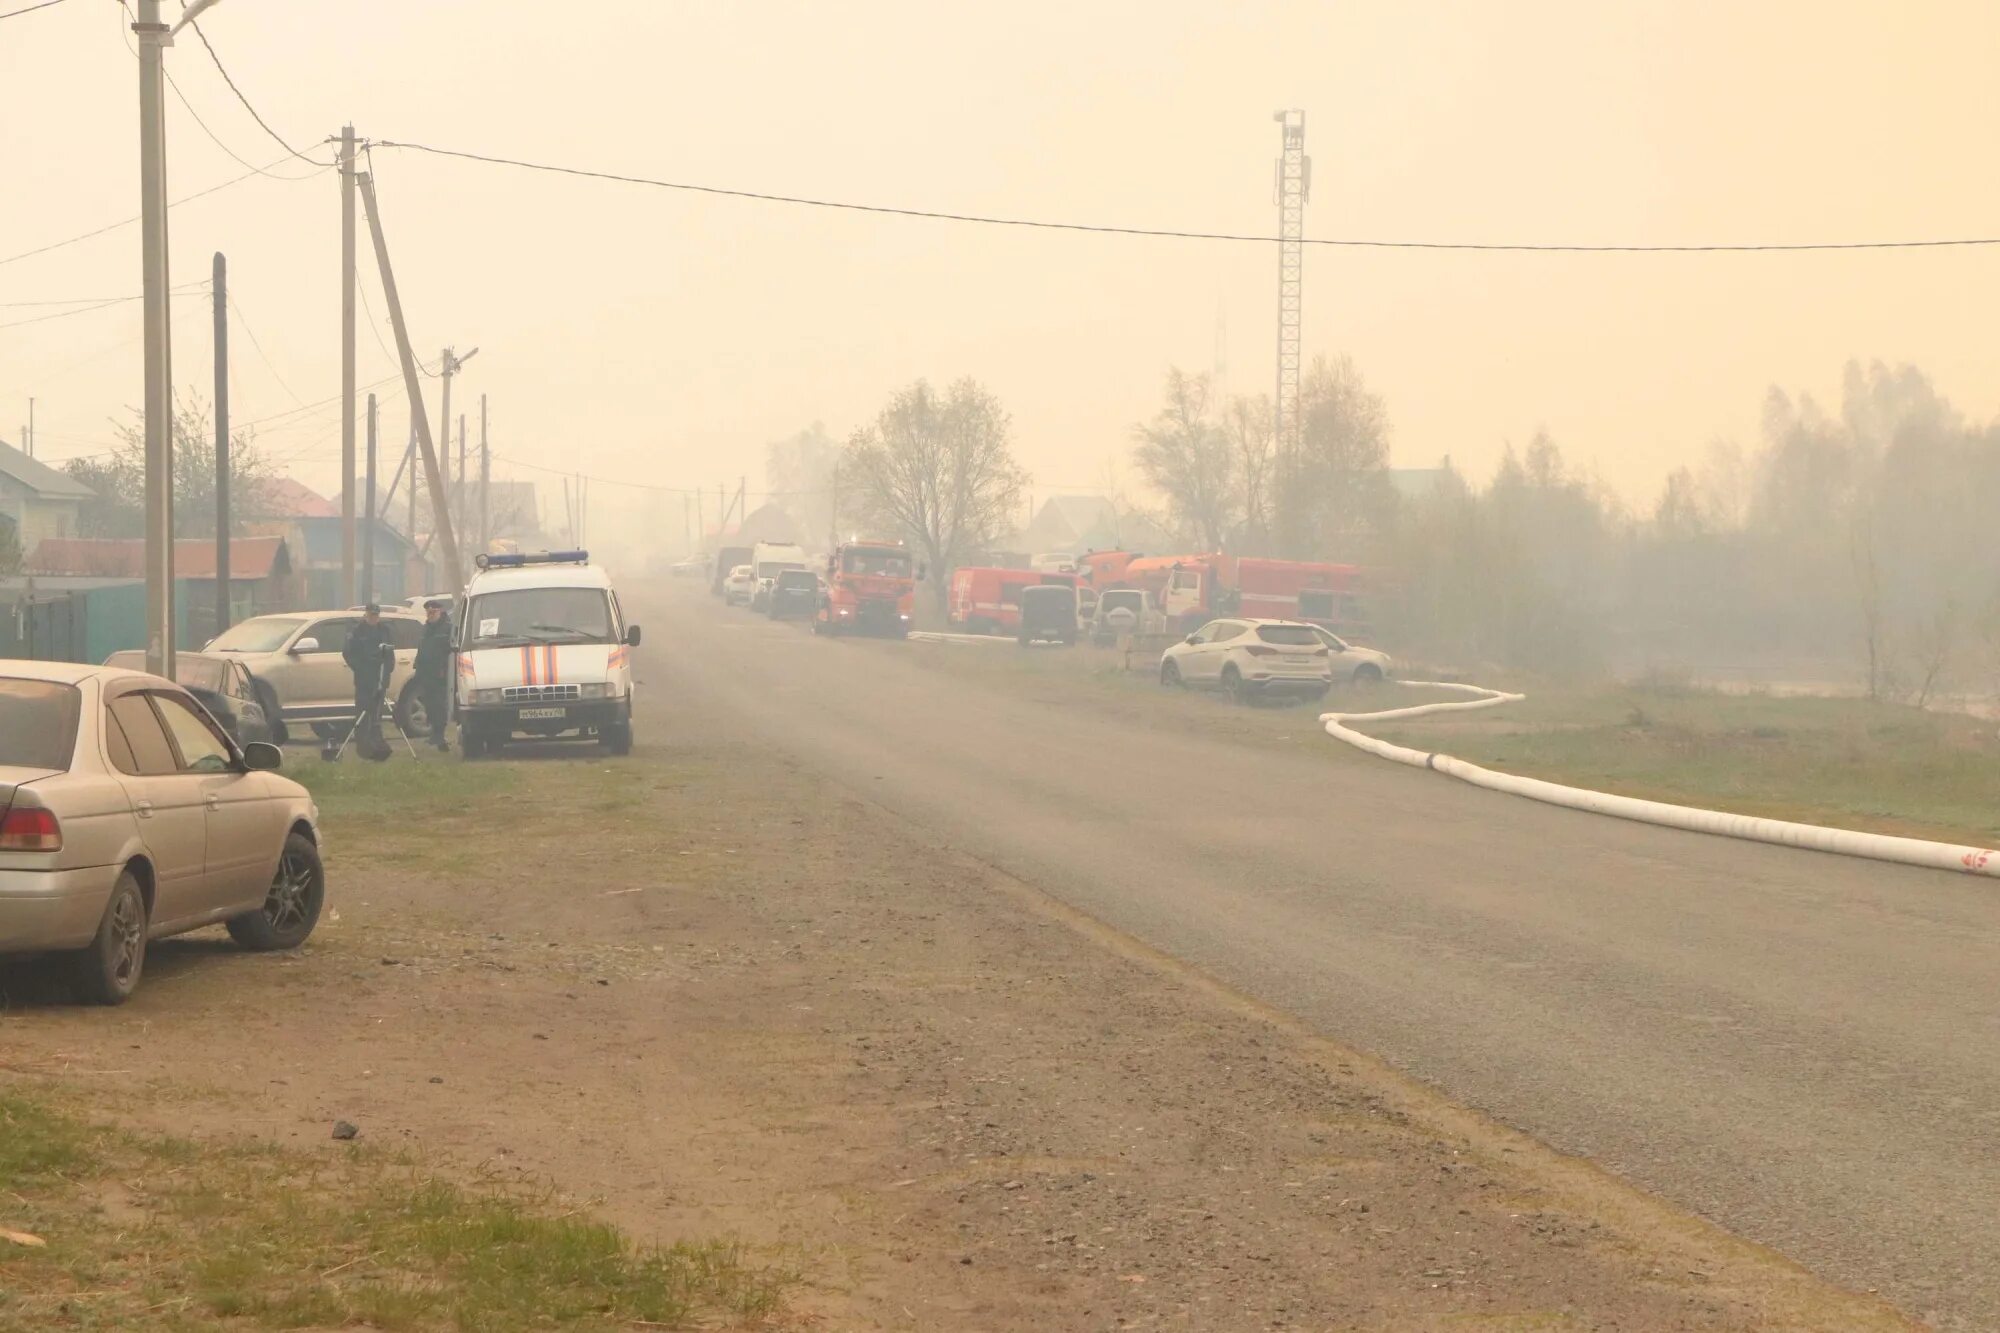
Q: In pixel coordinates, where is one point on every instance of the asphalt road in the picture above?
(1803, 1048)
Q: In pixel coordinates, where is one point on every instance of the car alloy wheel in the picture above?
(290, 898)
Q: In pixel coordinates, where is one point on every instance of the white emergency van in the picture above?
(543, 652)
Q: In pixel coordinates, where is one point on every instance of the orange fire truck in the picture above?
(1194, 589)
(871, 588)
(986, 600)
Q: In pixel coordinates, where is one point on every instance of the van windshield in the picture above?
(538, 615)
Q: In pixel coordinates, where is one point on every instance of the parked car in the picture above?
(1246, 659)
(1363, 666)
(794, 595)
(220, 684)
(693, 567)
(301, 679)
(1048, 615)
(1119, 611)
(127, 814)
(740, 586)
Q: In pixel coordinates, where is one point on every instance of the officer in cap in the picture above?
(433, 671)
(370, 656)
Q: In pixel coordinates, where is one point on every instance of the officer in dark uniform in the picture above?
(368, 655)
(433, 673)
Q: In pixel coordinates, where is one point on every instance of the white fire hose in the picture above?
(1814, 837)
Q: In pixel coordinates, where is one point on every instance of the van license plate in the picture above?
(528, 714)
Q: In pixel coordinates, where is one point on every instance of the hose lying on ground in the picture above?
(1814, 837)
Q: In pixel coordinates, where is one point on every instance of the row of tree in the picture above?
(1848, 540)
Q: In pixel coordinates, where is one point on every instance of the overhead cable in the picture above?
(1046, 224)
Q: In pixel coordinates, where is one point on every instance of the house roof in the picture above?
(282, 497)
(39, 477)
(250, 558)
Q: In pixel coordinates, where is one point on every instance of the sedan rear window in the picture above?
(1291, 636)
(37, 723)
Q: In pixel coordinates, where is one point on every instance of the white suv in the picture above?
(1251, 658)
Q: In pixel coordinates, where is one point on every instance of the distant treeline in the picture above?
(1850, 542)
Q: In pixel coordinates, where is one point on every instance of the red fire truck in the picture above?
(871, 588)
(1194, 589)
(988, 601)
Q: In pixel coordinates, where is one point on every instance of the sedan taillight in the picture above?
(30, 829)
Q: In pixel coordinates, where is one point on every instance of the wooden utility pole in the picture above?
(347, 366)
(368, 514)
(413, 386)
(219, 285)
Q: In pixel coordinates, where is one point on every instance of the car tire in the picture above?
(616, 737)
(274, 716)
(108, 970)
(291, 905)
(1170, 675)
(471, 743)
(1232, 686)
(1368, 674)
(411, 715)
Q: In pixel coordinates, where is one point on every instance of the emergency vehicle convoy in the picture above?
(871, 588)
(544, 653)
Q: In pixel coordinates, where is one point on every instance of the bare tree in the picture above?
(1248, 428)
(940, 471)
(1332, 492)
(1187, 458)
(118, 480)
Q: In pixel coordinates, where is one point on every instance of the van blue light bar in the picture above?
(513, 561)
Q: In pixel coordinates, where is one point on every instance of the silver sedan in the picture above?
(127, 814)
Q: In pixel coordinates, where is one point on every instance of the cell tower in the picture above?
(1292, 186)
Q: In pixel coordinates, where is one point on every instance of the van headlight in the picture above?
(487, 696)
(600, 690)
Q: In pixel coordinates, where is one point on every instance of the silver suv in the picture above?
(302, 680)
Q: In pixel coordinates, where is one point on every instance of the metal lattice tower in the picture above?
(1292, 186)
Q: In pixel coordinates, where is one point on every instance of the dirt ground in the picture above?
(708, 991)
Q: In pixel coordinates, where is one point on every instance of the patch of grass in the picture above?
(166, 1234)
(1849, 762)
(355, 791)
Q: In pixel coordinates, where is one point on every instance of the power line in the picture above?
(244, 321)
(261, 122)
(651, 486)
(86, 309)
(1045, 224)
(184, 199)
(29, 9)
(214, 138)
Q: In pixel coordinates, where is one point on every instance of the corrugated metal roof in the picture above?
(39, 477)
(194, 558)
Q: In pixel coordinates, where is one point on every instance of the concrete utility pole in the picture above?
(368, 514)
(443, 501)
(31, 428)
(485, 483)
(1292, 187)
(153, 39)
(413, 384)
(219, 283)
(347, 365)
